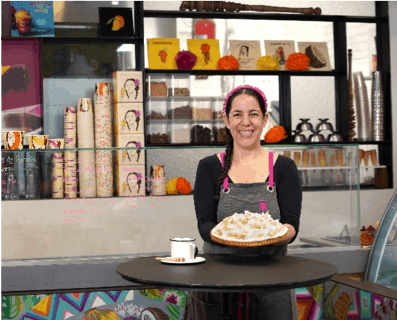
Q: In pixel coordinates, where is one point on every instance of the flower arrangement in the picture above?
(138, 144)
(137, 82)
(137, 113)
(267, 63)
(178, 185)
(297, 61)
(228, 62)
(275, 134)
(185, 60)
(139, 176)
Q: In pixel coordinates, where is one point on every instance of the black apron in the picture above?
(238, 197)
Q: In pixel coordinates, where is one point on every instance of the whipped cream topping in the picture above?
(249, 227)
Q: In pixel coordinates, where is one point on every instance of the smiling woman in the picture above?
(244, 178)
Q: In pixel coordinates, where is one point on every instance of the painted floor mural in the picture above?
(340, 302)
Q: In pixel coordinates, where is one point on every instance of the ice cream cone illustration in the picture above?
(339, 157)
(287, 154)
(305, 158)
(374, 158)
(322, 159)
(163, 55)
(297, 158)
(366, 158)
(205, 49)
(313, 155)
(332, 161)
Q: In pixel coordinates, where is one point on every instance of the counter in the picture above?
(98, 273)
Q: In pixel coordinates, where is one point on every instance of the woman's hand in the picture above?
(291, 234)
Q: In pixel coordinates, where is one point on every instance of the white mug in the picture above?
(183, 248)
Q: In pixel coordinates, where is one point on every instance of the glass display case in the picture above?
(382, 264)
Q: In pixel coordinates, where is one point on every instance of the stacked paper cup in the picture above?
(70, 168)
(57, 168)
(103, 139)
(85, 127)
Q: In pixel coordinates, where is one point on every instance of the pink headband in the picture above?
(244, 87)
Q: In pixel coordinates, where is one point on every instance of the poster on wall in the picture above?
(116, 22)
(318, 55)
(21, 108)
(246, 52)
(32, 19)
(280, 50)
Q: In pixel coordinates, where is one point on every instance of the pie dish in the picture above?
(249, 230)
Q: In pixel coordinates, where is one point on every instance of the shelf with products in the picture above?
(126, 171)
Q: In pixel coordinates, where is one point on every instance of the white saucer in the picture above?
(197, 260)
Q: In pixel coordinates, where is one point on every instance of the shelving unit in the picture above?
(64, 31)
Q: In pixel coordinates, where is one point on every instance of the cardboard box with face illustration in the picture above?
(127, 86)
(131, 180)
(134, 155)
(128, 118)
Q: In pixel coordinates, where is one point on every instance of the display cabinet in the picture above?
(382, 263)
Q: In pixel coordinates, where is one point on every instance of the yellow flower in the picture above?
(171, 186)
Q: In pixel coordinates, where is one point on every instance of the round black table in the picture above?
(229, 273)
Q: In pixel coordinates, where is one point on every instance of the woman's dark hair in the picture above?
(230, 143)
(136, 87)
(139, 181)
(137, 119)
(138, 151)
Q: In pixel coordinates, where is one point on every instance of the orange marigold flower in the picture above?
(183, 186)
(228, 63)
(297, 61)
(275, 134)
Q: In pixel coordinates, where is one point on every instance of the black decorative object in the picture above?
(116, 22)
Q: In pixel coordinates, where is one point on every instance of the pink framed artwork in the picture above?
(21, 86)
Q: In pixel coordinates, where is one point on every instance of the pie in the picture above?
(249, 230)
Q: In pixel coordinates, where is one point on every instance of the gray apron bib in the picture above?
(254, 197)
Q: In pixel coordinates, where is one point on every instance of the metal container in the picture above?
(377, 106)
(362, 109)
(305, 125)
(298, 137)
(324, 125)
(335, 137)
(316, 137)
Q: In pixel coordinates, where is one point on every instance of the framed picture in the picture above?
(116, 22)
(318, 54)
(32, 19)
(21, 87)
(246, 52)
(162, 53)
(206, 51)
(280, 50)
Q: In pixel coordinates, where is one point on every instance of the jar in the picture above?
(158, 133)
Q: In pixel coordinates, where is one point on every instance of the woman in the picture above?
(239, 180)
(131, 118)
(134, 181)
(133, 155)
(131, 85)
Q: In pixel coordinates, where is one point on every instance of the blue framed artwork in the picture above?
(32, 19)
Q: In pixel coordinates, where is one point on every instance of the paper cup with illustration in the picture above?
(13, 139)
(38, 141)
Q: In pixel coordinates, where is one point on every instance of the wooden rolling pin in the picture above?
(221, 6)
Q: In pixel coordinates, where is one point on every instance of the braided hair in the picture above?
(254, 92)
